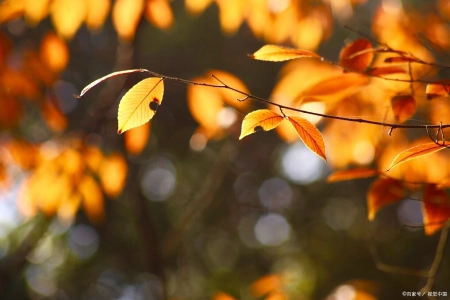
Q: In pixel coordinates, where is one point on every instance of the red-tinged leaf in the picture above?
(441, 89)
(403, 106)
(381, 71)
(416, 152)
(401, 59)
(278, 53)
(355, 55)
(310, 135)
(262, 119)
(382, 192)
(345, 83)
(436, 209)
(106, 77)
(352, 174)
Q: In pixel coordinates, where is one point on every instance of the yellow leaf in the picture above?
(352, 174)
(337, 86)
(278, 53)
(310, 135)
(126, 15)
(382, 192)
(92, 199)
(67, 16)
(36, 10)
(262, 119)
(159, 13)
(139, 104)
(416, 152)
(113, 174)
(436, 209)
(196, 7)
(97, 12)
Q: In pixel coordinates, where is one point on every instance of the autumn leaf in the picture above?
(222, 296)
(266, 284)
(92, 199)
(262, 119)
(136, 138)
(403, 106)
(352, 174)
(416, 152)
(278, 53)
(436, 208)
(354, 56)
(310, 135)
(125, 16)
(343, 84)
(382, 192)
(140, 103)
(441, 89)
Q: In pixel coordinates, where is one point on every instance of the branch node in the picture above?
(215, 77)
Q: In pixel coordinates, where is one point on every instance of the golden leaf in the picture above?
(97, 12)
(278, 53)
(337, 86)
(92, 199)
(204, 105)
(403, 106)
(126, 15)
(54, 52)
(136, 138)
(352, 174)
(355, 55)
(262, 119)
(159, 13)
(416, 152)
(196, 7)
(36, 10)
(436, 209)
(139, 104)
(67, 16)
(382, 192)
(113, 174)
(310, 135)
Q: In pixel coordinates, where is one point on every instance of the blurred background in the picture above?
(179, 208)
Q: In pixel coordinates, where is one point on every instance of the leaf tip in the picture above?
(251, 55)
(119, 131)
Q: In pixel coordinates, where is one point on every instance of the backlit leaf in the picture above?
(92, 199)
(345, 83)
(139, 104)
(310, 135)
(97, 12)
(382, 192)
(159, 13)
(352, 174)
(441, 89)
(136, 138)
(436, 208)
(113, 174)
(403, 106)
(222, 296)
(416, 152)
(126, 15)
(380, 71)
(354, 57)
(278, 53)
(54, 52)
(196, 7)
(262, 119)
(36, 10)
(67, 16)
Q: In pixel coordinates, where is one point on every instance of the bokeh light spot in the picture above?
(272, 229)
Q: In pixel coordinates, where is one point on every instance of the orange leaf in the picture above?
(262, 119)
(54, 52)
(380, 71)
(352, 174)
(416, 152)
(278, 53)
(222, 296)
(125, 16)
(97, 12)
(436, 209)
(435, 90)
(92, 199)
(266, 285)
(67, 16)
(159, 13)
(140, 103)
(401, 59)
(382, 192)
(310, 135)
(113, 174)
(345, 83)
(354, 57)
(136, 138)
(403, 106)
